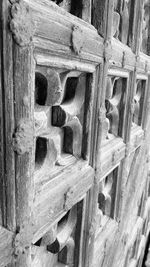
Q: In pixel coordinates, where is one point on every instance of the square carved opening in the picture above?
(60, 246)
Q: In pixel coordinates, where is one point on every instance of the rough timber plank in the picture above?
(6, 239)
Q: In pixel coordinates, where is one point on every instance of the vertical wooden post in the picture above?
(24, 147)
(23, 133)
(8, 122)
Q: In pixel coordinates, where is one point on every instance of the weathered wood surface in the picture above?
(8, 176)
(75, 128)
(6, 249)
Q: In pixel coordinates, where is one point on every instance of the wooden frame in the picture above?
(47, 46)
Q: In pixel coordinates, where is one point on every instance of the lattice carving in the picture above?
(59, 112)
(145, 47)
(121, 19)
(138, 102)
(114, 104)
(106, 196)
(59, 241)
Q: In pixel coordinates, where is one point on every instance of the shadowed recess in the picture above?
(70, 89)
(40, 152)
(68, 140)
(40, 89)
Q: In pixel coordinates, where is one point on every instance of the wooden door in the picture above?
(74, 133)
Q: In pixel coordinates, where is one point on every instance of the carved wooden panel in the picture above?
(61, 244)
(74, 128)
(59, 118)
(138, 110)
(115, 105)
(113, 129)
(139, 100)
(107, 197)
(62, 112)
(123, 20)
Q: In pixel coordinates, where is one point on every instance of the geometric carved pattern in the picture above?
(138, 102)
(59, 112)
(64, 244)
(106, 196)
(60, 241)
(121, 20)
(114, 104)
(67, 114)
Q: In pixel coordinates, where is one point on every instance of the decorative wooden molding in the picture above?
(23, 137)
(21, 24)
(77, 39)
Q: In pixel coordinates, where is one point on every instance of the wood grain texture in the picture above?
(8, 127)
(23, 88)
(39, 189)
(6, 250)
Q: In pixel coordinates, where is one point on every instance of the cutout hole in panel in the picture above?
(107, 194)
(68, 140)
(62, 256)
(116, 95)
(63, 241)
(40, 152)
(123, 21)
(115, 104)
(76, 8)
(40, 89)
(70, 89)
(63, 220)
(38, 243)
(72, 6)
(70, 114)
